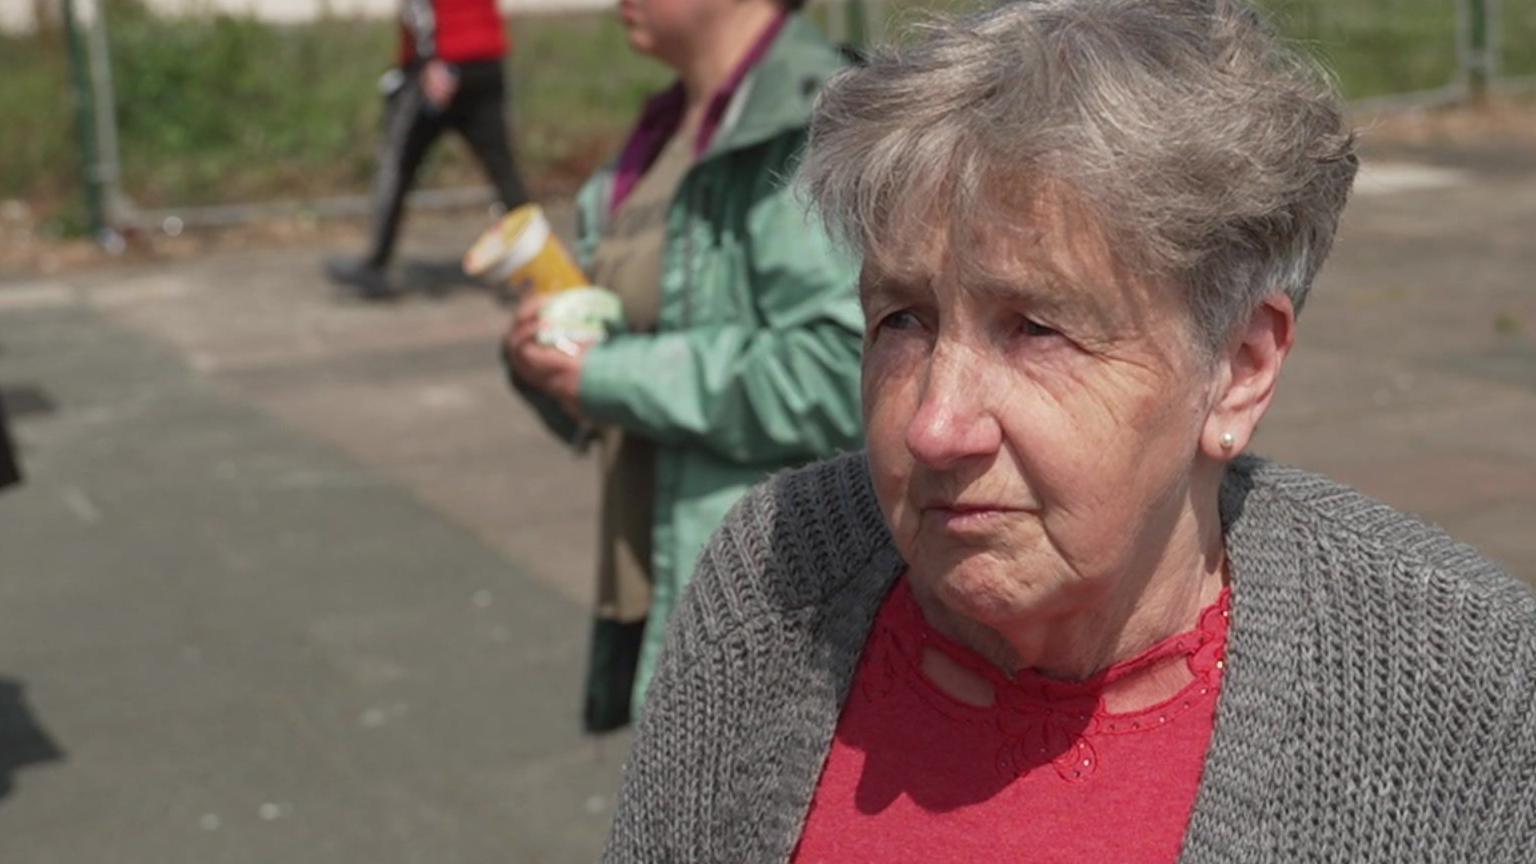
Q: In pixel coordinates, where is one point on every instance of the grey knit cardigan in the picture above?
(1379, 702)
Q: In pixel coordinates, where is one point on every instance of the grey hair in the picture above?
(1209, 154)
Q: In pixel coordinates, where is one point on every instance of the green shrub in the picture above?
(1376, 48)
(223, 108)
(1517, 38)
(38, 154)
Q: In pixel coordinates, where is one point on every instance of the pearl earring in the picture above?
(1228, 440)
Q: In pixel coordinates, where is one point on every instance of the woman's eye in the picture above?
(902, 320)
(1036, 329)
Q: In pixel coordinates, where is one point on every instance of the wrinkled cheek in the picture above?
(1076, 447)
(1048, 446)
(1101, 481)
(875, 375)
(890, 395)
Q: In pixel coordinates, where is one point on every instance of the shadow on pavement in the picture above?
(436, 278)
(23, 400)
(10, 463)
(22, 741)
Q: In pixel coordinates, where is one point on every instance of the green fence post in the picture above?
(1477, 51)
(85, 122)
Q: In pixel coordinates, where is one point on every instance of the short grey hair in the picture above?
(1210, 154)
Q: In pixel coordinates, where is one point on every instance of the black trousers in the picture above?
(412, 126)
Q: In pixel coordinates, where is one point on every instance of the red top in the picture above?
(1045, 773)
(457, 31)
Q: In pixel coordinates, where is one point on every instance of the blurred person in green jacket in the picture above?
(740, 352)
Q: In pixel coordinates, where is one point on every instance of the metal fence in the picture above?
(1389, 53)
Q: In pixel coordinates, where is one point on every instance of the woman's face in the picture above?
(668, 29)
(1034, 435)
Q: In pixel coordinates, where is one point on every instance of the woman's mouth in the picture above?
(965, 518)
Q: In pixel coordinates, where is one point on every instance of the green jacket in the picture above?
(755, 362)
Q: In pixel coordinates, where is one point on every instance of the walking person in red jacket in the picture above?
(450, 77)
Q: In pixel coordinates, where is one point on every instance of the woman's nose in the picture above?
(954, 419)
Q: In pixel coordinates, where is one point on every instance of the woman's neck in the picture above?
(720, 49)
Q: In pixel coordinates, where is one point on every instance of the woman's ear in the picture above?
(1246, 378)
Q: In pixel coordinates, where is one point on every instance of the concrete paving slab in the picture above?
(249, 647)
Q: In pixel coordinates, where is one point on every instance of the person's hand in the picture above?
(438, 84)
(554, 370)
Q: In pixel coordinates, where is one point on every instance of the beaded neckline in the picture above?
(1042, 716)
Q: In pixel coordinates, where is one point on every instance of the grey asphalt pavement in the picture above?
(294, 579)
(242, 619)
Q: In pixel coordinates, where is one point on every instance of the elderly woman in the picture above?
(1054, 614)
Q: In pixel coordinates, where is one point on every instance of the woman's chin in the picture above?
(639, 40)
(981, 595)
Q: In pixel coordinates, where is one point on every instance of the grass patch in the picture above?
(577, 87)
(1375, 49)
(231, 108)
(1517, 39)
(225, 109)
(37, 154)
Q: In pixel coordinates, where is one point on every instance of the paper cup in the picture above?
(520, 251)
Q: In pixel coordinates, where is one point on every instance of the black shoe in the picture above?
(363, 279)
